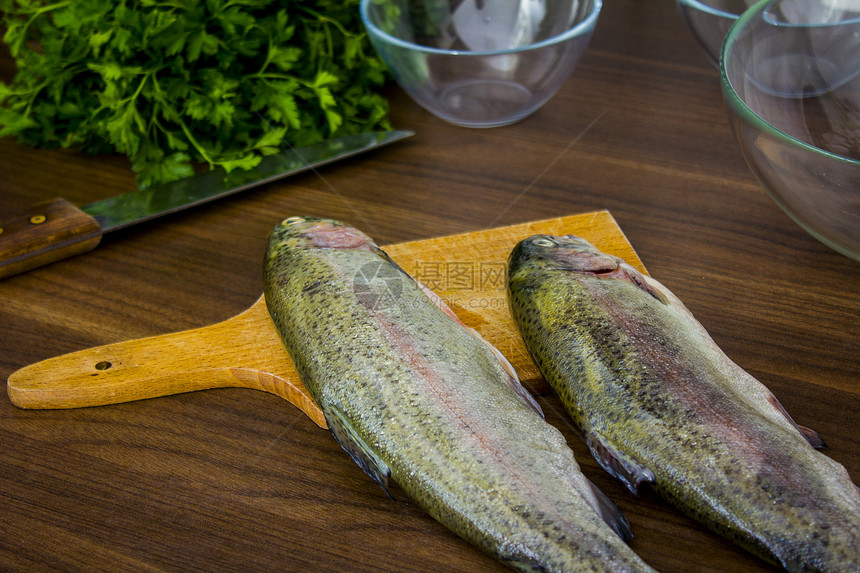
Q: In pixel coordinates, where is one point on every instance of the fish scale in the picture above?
(414, 397)
(660, 403)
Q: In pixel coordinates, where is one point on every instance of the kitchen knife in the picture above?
(54, 230)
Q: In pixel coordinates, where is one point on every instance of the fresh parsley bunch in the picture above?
(171, 83)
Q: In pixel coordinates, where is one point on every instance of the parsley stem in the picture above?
(22, 35)
(194, 142)
(325, 19)
(273, 76)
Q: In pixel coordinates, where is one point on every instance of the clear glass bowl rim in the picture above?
(702, 7)
(736, 103)
(588, 22)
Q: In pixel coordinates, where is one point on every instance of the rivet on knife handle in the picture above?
(48, 232)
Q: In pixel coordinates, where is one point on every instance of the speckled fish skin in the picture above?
(413, 396)
(659, 402)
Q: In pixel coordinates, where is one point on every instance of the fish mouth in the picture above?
(327, 233)
(588, 263)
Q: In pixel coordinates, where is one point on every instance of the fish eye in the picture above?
(292, 220)
(543, 242)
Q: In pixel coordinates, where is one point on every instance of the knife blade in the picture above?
(54, 230)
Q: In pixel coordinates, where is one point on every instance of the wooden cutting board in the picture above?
(466, 270)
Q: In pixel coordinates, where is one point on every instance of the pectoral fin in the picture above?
(357, 449)
(610, 513)
(642, 282)
(617, 463)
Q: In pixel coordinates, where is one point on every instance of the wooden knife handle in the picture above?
(50, 231)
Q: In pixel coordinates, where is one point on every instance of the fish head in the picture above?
(571, 254)
(374, 277)
(566, 252)
(312, 232)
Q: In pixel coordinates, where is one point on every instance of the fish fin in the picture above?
(811, 435)
(639, 280)
(610, 513)
(383, 255)
(357, 448)
(614, 268)
(617, 463)
(524, 565)
(513, 377)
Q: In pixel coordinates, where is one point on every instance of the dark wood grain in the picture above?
(239, 480)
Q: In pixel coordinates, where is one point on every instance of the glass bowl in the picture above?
(791, 81)
(480, 63)
(710, 20)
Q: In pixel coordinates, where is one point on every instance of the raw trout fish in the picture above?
(659, 402)
(417, 398)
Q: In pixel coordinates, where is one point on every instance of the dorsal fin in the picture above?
(809, 434)
(513, 377)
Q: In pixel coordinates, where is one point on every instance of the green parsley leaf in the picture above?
(172, 83)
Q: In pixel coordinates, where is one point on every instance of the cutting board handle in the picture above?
(198, 359)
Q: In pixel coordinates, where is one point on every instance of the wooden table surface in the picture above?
(240, 480)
